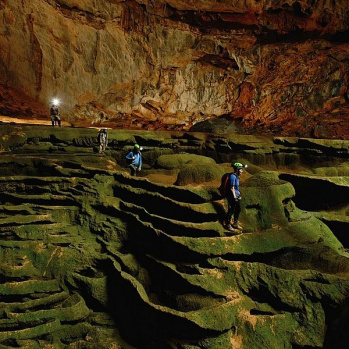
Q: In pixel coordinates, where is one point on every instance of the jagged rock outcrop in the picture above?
(96, 258)
(267, 65)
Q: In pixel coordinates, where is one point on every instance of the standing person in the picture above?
(234, 197)
(102, 138)
(54, 113)
(134, 159)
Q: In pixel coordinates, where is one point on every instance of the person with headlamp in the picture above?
(234, 197)
(54, 113)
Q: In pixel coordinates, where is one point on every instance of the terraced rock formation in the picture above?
(91, 257)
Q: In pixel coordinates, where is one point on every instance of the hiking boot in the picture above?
(229, 227)
(236, 225)
(232, 230)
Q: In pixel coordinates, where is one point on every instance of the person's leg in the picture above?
(133, 170)
(236, 215)
(231, 210)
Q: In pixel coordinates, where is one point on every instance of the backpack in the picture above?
(225, 185)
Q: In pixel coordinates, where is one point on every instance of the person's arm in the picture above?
(140, 161)
(233, 183)
(129, 156)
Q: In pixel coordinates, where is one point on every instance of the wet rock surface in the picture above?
(92, 257)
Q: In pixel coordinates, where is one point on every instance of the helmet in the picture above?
(136, 146)
(238, 166)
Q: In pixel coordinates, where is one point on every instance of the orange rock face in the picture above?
(278, 67)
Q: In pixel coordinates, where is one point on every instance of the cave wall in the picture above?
(278, 66)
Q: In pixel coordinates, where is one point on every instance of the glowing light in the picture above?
(55, 101)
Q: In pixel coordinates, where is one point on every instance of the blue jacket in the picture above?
(235, 183)
(134, 159)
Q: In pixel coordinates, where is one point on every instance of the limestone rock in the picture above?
(276, 67)
(97, 258)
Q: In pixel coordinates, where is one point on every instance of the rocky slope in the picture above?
(91, 257)
(270, 66)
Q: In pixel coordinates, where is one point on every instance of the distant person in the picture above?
(55, 118)
(134, 159)
(102, 139)
(234, 197)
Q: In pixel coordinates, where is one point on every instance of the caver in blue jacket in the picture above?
(134, 158)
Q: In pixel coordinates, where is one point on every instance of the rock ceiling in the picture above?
(268, 65)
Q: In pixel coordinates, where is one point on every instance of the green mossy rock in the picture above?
(86, 244)
(263, 198)
(341, 170)
(14, 139)
(178, 161)
(151, 156)
(197, 174)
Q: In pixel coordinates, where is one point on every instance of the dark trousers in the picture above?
(55, 119)
(133, 169)
(234, 209)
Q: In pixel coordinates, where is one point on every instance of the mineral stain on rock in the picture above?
(276, 67)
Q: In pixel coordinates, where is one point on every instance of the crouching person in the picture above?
(134, 159)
